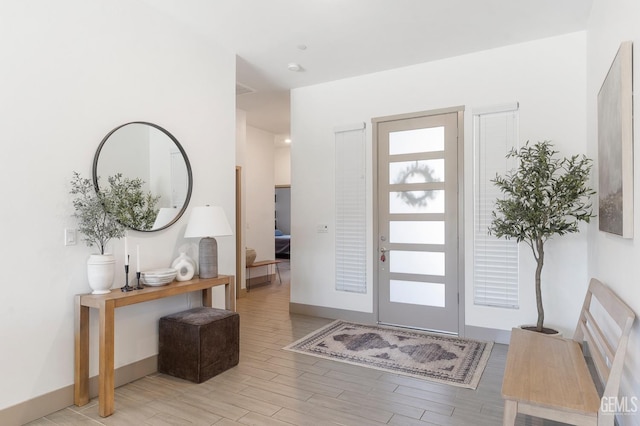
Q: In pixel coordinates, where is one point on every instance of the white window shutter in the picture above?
(495, 267)
(351, 226)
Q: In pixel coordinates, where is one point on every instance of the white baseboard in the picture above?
(489, 334)
(332, 313)
(56, 400)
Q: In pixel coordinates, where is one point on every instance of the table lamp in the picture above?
(206, 223)
(165, 215)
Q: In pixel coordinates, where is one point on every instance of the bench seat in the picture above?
(547, 376)
(545, 373)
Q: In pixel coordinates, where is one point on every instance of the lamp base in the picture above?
(208, 257)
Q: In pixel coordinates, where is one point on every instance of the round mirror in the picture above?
(150, 172)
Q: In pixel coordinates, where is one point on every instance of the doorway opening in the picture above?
(283, 221)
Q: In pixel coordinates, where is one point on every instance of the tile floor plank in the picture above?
(301, 419)
(308, 386)
(369, 413)
(241, 401)
(395, 407)
(255, 419)
(301, 367)
(187, 413)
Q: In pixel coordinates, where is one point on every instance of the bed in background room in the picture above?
(283, 244)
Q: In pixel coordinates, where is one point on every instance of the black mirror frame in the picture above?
(184, 156)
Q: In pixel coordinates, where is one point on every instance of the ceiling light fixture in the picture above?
(294, 67)
(287, 140)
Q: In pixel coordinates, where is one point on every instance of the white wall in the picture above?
(282, 161)
(71, 72)
(547, 77)
(612, 259)
(260, 195)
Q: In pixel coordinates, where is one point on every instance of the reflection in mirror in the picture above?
(154, 173)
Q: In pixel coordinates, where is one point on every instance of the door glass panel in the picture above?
(417, 293)
(417, 171)
(431, 201)
(416, 262)
(414, 232)
(418, 140)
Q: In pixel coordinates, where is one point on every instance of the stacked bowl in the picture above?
(158, 277)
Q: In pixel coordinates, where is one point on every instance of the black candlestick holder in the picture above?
(139, 286)
(126, 287)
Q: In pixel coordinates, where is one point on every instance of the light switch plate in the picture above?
(70, 237)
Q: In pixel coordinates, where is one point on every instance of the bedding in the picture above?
(282, 242)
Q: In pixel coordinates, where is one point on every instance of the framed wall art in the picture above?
(615, 146)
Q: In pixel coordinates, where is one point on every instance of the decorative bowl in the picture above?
(158, 277)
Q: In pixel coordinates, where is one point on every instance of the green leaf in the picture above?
(105, 214)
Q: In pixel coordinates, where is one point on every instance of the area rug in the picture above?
(436, 357)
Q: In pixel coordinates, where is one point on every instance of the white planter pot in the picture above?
(100, 272)
(550, 331)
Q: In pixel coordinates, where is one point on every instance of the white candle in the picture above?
(137, 258)
(126, 251)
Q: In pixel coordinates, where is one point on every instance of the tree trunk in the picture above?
(540, 259)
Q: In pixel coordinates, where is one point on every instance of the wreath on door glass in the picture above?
(424, 174)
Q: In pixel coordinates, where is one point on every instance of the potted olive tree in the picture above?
(544, 196)
(98, 227)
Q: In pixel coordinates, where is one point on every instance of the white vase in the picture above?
(100, 272)
(185, 266)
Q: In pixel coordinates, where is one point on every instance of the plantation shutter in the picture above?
(351, 219)
(495, 267)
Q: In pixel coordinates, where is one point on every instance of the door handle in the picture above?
(383, 256)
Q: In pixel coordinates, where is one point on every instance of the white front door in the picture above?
(418, 219)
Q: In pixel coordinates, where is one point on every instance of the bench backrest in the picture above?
(608, 352)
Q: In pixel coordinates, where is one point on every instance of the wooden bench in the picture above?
(548, 377)
(259, 264)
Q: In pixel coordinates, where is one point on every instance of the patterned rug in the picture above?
(436, 357)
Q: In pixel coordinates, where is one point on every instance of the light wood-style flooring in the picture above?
(271, 386)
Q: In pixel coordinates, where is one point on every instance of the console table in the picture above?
(106, 305)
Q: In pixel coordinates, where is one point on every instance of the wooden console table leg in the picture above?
(207, 297)
(106, 383)
(230, 294)
(81, 354)
(510, 413)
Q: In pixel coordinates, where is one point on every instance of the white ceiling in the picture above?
(345, 38)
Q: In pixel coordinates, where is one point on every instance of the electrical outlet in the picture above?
(70, 237)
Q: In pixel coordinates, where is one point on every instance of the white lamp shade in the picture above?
(165, 215)
(207, 221)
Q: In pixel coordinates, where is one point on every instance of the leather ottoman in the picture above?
(199, 343)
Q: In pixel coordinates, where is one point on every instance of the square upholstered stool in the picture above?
(199, 343)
